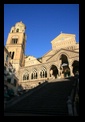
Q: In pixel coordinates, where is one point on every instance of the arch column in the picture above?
(38, 73)
(59, 70)
(30, 76)
(71, 70)
(51, 72)
(59, 73)
(48, 73)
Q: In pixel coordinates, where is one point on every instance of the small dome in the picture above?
(20, 24)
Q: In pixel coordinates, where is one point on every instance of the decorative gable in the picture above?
(30, 60)
(68, 53)
(63, 40)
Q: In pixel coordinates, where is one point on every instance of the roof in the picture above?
(20, 23)
(62, 36)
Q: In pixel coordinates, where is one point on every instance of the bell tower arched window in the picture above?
(12, 55)
(14, 41)
(17, 30)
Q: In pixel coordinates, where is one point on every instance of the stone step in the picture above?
(49, 100)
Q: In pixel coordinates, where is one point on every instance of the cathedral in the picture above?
(61, 61)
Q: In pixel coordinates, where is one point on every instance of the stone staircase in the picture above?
(49, 100)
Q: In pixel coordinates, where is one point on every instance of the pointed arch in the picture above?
(63, 54)
(26, 75)
(43, 72)
(64, 66)
(34, 74)
(53, 71)
(64, 59)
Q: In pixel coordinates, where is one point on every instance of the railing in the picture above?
(73, 99)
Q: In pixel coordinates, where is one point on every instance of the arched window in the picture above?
(14, 40)
(43, 73)
(17, 30)
(12, 55)
(26, 76)
(34, 74)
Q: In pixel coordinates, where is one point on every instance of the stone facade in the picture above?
(10, 80)
(60, 62)
(16, 44)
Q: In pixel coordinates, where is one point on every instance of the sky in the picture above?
(44, 22)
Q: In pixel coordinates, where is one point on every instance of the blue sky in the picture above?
(43, 23)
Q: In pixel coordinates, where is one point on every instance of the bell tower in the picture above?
(16, 44)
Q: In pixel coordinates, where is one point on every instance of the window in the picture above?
(34, 74)
(9, 80)
(15, 82)
(12, 55)
(43, 73)
(17, 30)
(26, 76)
(14, 41)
